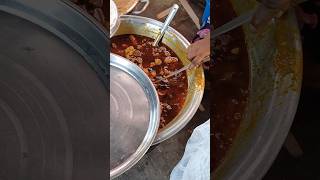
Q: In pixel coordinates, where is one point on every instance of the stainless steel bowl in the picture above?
(134, 114)
(149, 27)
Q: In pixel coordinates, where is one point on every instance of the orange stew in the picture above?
(156, 62)
(229, 79)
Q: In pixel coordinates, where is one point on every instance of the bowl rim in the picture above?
(189, 110)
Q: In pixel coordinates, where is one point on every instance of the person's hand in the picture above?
(198, 51)
(266, 11)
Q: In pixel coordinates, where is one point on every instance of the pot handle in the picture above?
(144, 7)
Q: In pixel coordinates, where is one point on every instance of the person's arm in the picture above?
(200, 47)
(266, 11)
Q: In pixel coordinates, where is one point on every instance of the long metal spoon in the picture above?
(242, 19)
(236, 22)
(166, 24)
(185, 68)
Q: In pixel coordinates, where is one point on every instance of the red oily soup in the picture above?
(156, 62)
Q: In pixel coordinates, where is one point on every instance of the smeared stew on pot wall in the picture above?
(229, 77)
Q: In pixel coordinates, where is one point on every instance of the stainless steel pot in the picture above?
(51, 59)
(148, 27)
(276, 74)
(126, 6)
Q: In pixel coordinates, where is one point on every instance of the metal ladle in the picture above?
(166, 24)
(242, 19)
(185, 68)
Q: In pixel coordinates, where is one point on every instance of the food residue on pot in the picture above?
(229, 79)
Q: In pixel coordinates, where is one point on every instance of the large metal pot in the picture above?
(53, 107)
(148, 27)
(276, 74)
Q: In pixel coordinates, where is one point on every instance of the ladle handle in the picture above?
(187, 67)
(166, 24)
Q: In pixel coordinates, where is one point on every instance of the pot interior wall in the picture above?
(275, 70)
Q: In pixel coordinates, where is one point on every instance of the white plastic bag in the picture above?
(195, 163)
